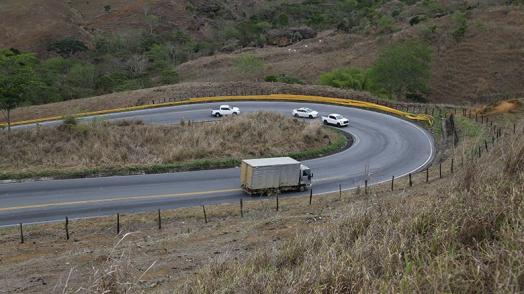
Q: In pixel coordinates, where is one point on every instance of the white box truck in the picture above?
(267, 176)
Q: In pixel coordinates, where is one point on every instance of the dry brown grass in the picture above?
(460, 241)
(102, 144)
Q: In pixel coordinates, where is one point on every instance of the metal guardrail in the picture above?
(273, 97)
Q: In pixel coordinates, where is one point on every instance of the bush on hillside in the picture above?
(248, 64)
(347, 78)
(67, 47)
(283, 78)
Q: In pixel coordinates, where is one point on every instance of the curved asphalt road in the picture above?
(385, 146)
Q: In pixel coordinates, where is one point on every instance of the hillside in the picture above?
(85, 19)
(478, 51)
(487, 63)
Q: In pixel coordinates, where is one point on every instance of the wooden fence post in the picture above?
(310, 196)
(440, 170)
(159, 220)
(118, 223)
(241, 207)
(427, 175)
(452, 163)
(339, 192)
(21, 234)
(277, 201)
(366, 187)
(392, 183)
(67, 227)
(205, 215)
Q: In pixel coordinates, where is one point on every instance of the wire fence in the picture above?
(428, 174)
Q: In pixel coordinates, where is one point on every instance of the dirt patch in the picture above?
(507, 106)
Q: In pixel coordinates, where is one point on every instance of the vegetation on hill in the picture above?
(158, 52)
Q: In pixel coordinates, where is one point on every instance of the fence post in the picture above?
(205, 215)
(480, 151)
(392, 183)
(410, 181)
(277, 201)
(427, 175)
(67, 227)
(366, 187)
(486, 145)
(159, 220)
(339, 192)
(514, 128)
(118, 223)
(21, 234)
(452, 163)
(310, 196)
(241, 207)
(440, 170)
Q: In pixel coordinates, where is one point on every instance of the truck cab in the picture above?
(305, 176)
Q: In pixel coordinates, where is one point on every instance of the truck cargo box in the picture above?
(269, 173)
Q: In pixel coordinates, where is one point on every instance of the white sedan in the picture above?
(305, 112)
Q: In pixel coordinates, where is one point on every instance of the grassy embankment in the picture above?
(464, 236)
(100, 148)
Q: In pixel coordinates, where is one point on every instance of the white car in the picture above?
(335, 120)
(305, 112)
(225, 110)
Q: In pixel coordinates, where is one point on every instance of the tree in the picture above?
(67, 47)
(17, 80)
(403, 68)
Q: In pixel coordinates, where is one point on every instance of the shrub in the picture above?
(416, 19)
(283, 78)
(248, 64)
(169, 76)
(69, 121)
(347, 78)
(461, 26)
(67, 47)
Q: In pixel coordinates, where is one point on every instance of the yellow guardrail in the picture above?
(274, 97)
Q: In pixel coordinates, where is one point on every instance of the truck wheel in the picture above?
(325, 122)
(295, 114)
(310, 116)
(217, 114)
(338, 125)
